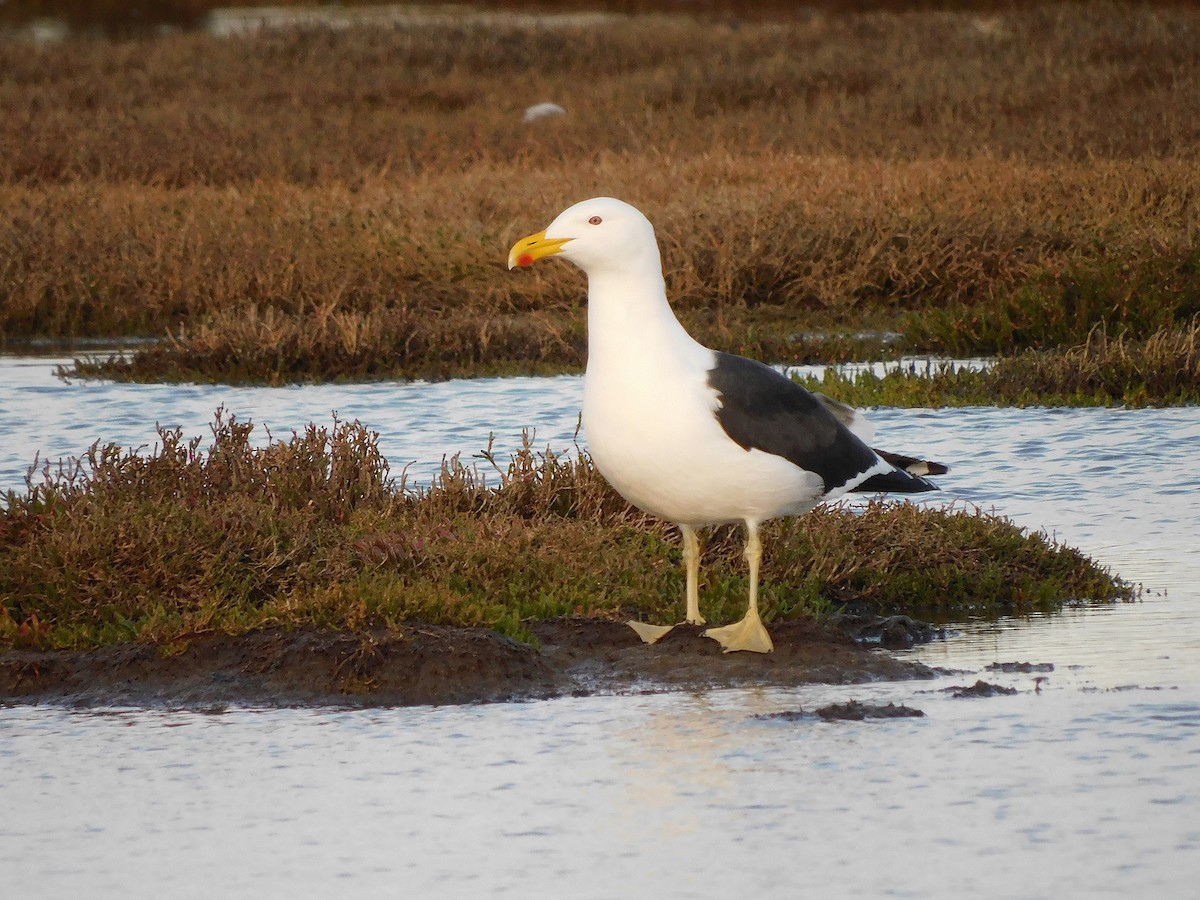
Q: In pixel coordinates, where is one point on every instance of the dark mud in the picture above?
(979, 689)
(852, 711)
(435, 665)
(890, 632)
(1021, 667)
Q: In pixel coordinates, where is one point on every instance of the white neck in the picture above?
(629, 318)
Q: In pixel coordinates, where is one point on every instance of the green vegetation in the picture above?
(1132, 299)
(311, 203)
(1162, 370)
(312, 531)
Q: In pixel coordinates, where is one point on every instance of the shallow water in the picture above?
(1085, 784)
(1059, 794)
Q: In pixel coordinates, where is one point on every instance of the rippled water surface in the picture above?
(1085, 784)
(1063, 794)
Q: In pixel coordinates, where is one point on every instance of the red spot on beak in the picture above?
(524, 260)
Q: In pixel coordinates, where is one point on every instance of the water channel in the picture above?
(1086, 783)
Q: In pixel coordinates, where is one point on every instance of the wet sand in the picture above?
(436, 665)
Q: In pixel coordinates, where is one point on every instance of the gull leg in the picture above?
(691, 557)
(749, 633)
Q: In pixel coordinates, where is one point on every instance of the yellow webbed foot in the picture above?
(650, 633)
(748, 634)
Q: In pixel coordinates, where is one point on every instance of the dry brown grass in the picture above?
(838, 173)
(1061, 81)
(408, 279)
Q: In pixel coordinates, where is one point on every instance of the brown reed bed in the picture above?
(1052, 82)
(279, 283)
(311, 532)
(311, 204)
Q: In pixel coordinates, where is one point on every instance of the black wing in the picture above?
(764, 410)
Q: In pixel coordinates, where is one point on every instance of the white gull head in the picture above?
(597, 235)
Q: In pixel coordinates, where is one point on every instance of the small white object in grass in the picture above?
(541, 111)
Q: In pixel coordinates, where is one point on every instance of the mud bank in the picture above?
(435, 665)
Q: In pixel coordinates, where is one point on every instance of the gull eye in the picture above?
(595, 220)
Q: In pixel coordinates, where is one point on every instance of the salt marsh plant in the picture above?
(1162, 370)
(312, 532)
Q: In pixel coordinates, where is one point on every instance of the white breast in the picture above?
(652, 432)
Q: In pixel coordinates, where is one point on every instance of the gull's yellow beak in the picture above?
(529, 250)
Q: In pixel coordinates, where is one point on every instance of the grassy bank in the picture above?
(314, 204)
(311, 532)
(1162, 370)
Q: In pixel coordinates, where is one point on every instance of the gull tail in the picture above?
(908, 476)
(912, 465)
